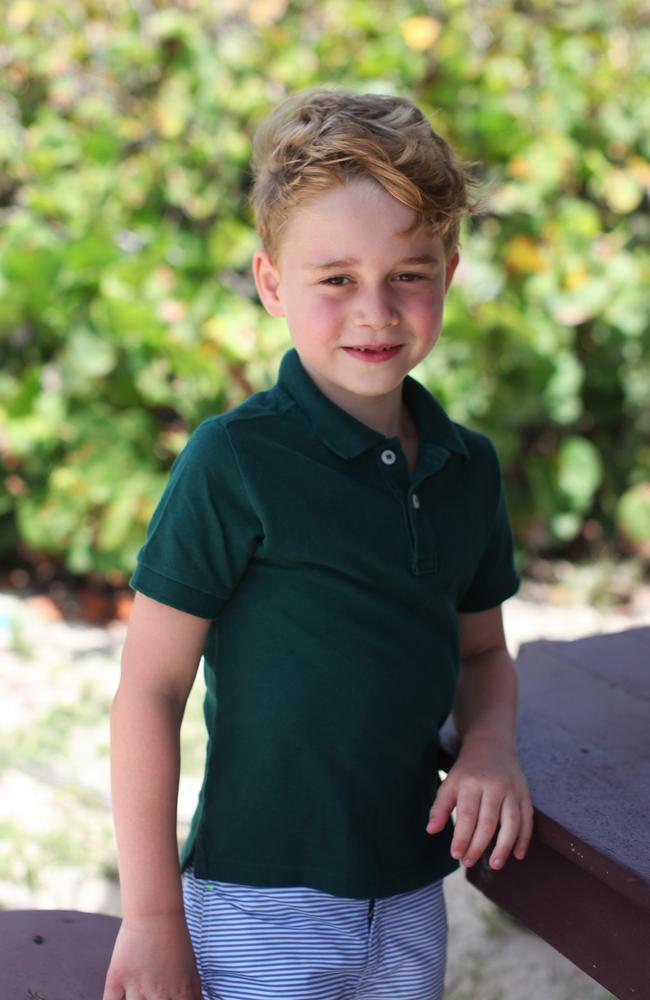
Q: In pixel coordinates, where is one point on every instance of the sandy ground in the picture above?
(56, 846)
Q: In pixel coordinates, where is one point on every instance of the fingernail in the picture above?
(456, 853)
(496, 862)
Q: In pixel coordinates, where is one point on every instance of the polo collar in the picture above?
(435, 430)
(348, 437)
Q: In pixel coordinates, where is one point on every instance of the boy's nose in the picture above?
(376, 311)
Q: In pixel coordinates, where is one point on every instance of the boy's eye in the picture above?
(409, 276)
(336, 280)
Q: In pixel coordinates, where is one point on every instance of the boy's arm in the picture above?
(153, 955)
(485, 785)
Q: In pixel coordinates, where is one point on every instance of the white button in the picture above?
(416, 501)
(388, 457)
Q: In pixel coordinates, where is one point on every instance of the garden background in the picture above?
(128, 314)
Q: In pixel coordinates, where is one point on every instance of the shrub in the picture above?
(127, 312)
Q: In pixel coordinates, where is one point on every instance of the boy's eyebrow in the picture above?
(351, 261)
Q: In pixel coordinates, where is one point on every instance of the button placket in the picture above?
(425, 548)
(392, 463)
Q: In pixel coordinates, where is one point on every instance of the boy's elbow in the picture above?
(136, 701)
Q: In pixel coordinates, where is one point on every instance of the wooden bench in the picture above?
(584, 742)
(54, 954)
(585, 884)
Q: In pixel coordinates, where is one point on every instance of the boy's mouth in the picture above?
(373, 353)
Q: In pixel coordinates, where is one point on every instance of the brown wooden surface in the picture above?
(584, 741)
(54, 954)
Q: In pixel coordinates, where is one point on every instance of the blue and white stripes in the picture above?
(301, 944)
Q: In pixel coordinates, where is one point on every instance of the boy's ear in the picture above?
(267, 282)
(451, 266)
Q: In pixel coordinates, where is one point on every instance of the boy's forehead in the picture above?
(341, 248)
(352, 224)
(349, 199)
(326, 264)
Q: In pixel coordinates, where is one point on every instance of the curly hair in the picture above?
(318, 138)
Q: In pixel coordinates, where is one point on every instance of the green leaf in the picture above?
(562, 391)
(231, 244)
(86, 356)
(579, 472)
(119, 515)
(565, 526)
(633, 516)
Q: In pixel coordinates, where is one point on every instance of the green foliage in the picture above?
(634, 516)
(127, 312)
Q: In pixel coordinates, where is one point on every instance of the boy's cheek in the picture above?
(314, 320)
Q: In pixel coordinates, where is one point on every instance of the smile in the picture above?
(377, 353)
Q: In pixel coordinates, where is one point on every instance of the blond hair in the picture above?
(320, 137)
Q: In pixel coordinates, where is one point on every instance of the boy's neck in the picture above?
(393, 420)
(388, 415)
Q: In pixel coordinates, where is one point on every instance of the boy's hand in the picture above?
(488, 789)
(153, 960)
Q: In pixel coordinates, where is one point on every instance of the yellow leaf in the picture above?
(575, 278)
(420, 32)
(20, 14)
(131, 129)
(520, 168)
(167, 121)
(523, 256)
(263, 12)
(640, 170)
(622, 191)
(65, 480)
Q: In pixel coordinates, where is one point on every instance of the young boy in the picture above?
(338, 550)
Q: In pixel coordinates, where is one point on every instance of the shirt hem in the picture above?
(348, 885)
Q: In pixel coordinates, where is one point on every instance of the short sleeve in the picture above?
(203, 531)
(496, 578)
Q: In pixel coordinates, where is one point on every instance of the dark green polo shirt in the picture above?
(333, 584)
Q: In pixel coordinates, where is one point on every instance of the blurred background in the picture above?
(128, 315)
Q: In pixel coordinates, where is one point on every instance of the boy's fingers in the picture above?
(526, 832)
(113, 992)
(467, 813)
(511, 823)
(486, 824)
(442, 807)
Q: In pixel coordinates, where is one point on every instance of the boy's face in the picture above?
(363, 302)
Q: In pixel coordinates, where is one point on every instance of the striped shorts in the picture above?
(301, 944)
